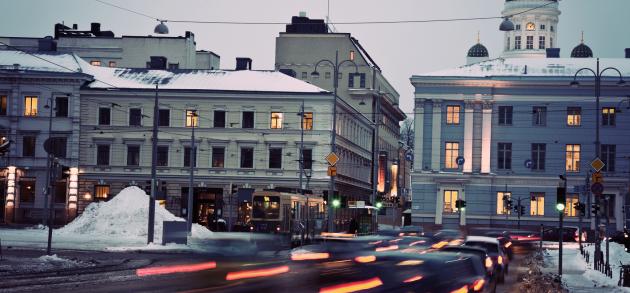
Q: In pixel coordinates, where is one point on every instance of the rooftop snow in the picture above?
(36, 61)
(532, 67)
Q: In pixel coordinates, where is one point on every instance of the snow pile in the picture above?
(126, 216)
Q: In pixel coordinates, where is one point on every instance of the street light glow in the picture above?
(560, 207)
(336, 203)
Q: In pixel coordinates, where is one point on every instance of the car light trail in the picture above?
(256, 273)
(478, 285)
(410, 263)
(413, 279)
(365, 259)
(387, 248)
(461, 290)
(310, 256)
(175, 269)
(353, 286)
(439, 244)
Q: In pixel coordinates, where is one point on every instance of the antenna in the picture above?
(582, 37)
(478, 38)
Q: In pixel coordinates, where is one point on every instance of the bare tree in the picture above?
(407, 132)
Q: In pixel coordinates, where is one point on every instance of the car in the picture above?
(411, 231)
(494, 250)
(570, 234)
(502, 235)
(448, 234)
(483, 256)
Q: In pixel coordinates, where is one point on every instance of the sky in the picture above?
(401, 50)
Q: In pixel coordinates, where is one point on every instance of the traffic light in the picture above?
(561, 198)
(336, 203)
(521, 210)
(595, 209)
(516, 209)
(508, 204)
(379, 205)
(582, 209)
(5, 144)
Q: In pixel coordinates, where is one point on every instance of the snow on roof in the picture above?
(482, 239)
(37, 61)
(532, 67)
(193, 79)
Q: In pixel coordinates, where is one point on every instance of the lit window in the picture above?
(276, 120)
(530, 42)
(574, 116)
(3, 105)
(30, 106)
(502, 198)
(573, 158)
(569, 209)
(192, 119)
(450, 196)
(307, 123)
(452, 114)
(608, 116)
(101, 192)
(452, 152)
(112, 63)
(95, 63)
(537, 204)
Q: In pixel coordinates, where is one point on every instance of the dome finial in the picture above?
(478, 38)
(582, 41)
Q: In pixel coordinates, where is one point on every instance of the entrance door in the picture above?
(207, 206)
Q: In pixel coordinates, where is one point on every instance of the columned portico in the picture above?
(486, 136)
(419, 134)
(468, 136)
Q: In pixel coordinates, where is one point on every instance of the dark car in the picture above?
(493, 248)
(570, 234)
(483, 256)
(411, 231)
(448, 235)
(503, 236)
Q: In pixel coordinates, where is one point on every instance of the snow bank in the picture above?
(125, 215)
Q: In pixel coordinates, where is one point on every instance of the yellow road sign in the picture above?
(332, 159)
(332, 171)
(597, 177)
(597, 164)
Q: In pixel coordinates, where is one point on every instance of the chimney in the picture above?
(627, 52)
(75, 26)
(95, 28)
(553, 52)
(243, 63)
(46, 44)
(158, 62)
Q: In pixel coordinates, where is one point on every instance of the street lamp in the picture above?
(506, 25)
(156, 113)
(192, 160)
(161, 28)
(597, 74)
(336, 65)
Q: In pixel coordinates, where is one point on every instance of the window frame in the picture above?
(570, 155)
(307, 164)
(99, 154)
(23, 183)
(542, 42)
(276, 122)
(58, 108)
(95, 62)
(539, 116)
(529, 43)
(131, 117)
(451, 154)
(160, 117)
(539, 156)
(31, 106)
(243, 160)
(100, 117)
(501, 210)
(517, 42)
(504, 156)
(162, 162)
(129, 163)
(574, 116)
(253, 120)
(608, 153)
(506, 115)
(192, 120)
(31, 146)
(4, 105)
(217, 123)
(453, 114)
(535, 209)
(98, 195)
(569, 209)
(275, 164)
(609, 116)
(214, 156)
(307, 121)
(449, 197)
(187, 155)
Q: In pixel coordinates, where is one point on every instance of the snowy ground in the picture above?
(579, 276)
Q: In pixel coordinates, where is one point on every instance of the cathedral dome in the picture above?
(478, 50)
(582, 51)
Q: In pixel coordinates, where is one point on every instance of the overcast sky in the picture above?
(401, 50)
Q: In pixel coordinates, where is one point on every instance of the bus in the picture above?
(285, 212)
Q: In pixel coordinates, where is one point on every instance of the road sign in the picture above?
(460, 160)
(528, 164)
(597, 177)
(409, 157)
(597, 164)
(332, 171)
(360, 204)
(597, 188)
(352, 204)
(332, 159)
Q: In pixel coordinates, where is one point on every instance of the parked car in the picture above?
(494, 250)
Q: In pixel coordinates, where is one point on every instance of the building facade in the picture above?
(507, 128)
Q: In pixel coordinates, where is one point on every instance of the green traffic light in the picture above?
(336, 203)
(560, 207)
(379, 205)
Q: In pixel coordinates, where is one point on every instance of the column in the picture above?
(436, 139)
(418, 121)
(486, 137)
(439, 205)
(468, 136)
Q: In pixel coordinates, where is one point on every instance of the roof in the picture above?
(532, 67)
(478, 50)
(482, 239)
(51, 62)
(582, 51)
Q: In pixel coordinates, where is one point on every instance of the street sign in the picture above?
(460, 160)
(360, 204)
(409, 157)
(332, 171)
(597, 188)
(597, 177)
(528, 164)
(332, 159)
(352, 204)
(597, 164)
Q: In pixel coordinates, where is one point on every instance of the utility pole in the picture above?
(561, 206)
(301, 164)
(375, 147)
(191, 163)
(48, 164)
(156, 113)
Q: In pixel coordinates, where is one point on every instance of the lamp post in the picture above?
(560, 207)
(191, 163)
(597, 73)
(156, 113)
(48, 199)
(336, 65)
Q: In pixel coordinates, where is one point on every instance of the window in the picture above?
(542, 27)
(30, 106)
(608, 116)
(452, 152)
(307, 158)
(102, 155)
(27, 190)
(247, 157)
(162, 156)
(135, 117)
(192, 118)
(275, 158)
(63, 143)
(507, 44)
(307, 122)
(276, 120)
(539, 117)
(104, 116)
(452, 114)
(551, 28)
(327, 75)
(95, 63)
(248, 119)
(505, 115)
(133, 155)
(450, 196)
(28, 146)
(187, 157)
(541, 42)
(538, 156)
(569, 209)
(3, 105)
(61, 107)
(351, 79)
(518, 27)
(164, 117)
(573, 158)
(219, 119)
(608, 153)
(101, 192)
(537, 204)
(218, 157)
(517, 42)
(502, 197)
(112, 63)
(574, 116)
(550, 42)
(505, 156)
(530, 42)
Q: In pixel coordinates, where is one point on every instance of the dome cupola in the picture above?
(582, 50)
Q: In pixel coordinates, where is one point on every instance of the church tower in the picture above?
(535, 28)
